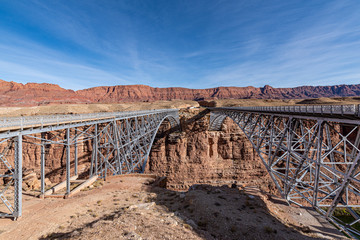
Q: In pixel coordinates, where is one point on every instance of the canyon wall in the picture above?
(55, 155)
(145, 93)
(192, 156)
(32, 94)
(198, 156)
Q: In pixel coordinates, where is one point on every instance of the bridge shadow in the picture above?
(227, 213)
(212, 213)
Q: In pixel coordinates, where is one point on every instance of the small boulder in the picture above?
(29, 176)
(34, 183)
(48, 182)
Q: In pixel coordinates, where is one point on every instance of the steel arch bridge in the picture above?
(121, 143)
(310, 152)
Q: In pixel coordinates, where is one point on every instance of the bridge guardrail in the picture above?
(350, 109)
(25, 121)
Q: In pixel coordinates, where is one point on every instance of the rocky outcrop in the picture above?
(146, 93)
(32, 94)
(199, 156)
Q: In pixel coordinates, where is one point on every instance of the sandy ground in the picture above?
(90, 108)
(130, 207)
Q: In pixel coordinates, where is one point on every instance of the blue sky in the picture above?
(176, 43)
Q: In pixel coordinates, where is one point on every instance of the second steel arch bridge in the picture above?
(311, 153)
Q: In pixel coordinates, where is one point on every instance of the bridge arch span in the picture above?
(123, 146)
(174, 122)
(216, 121)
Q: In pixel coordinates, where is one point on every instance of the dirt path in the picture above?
(129, 208)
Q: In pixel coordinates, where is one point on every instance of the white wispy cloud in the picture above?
(230, 43)
(34, 63)
(324, 53)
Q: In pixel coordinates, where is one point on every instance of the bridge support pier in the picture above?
(68, 169)
(42, 163)
(76, 152)
(18, 177)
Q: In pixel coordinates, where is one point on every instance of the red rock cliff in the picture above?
(198, 156)
(146, 93)
(30, 94)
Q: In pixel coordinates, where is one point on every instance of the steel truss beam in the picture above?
(313, 162)
(121, 144)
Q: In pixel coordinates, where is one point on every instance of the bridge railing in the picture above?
(350, 109)
(25, 121)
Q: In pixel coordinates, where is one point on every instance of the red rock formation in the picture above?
(146, 93)
(30, 94)
(197, 155)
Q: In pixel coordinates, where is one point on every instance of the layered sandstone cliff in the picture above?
(198, 156)
(145, 93)
(32, 94)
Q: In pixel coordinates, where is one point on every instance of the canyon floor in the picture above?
(133, 207)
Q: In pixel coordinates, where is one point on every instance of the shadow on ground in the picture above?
(210, 212)
(226, 213)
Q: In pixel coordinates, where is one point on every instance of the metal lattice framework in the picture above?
(121, 143)
(310, 152)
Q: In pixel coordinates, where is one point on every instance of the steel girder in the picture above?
(313, 162)
(11, 162)
(121, 144)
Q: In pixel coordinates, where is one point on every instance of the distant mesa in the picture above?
(34, 94)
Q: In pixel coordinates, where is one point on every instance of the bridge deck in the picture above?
(34, 124)
(350, 112)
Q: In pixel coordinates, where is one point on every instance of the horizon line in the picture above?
(249, 86)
